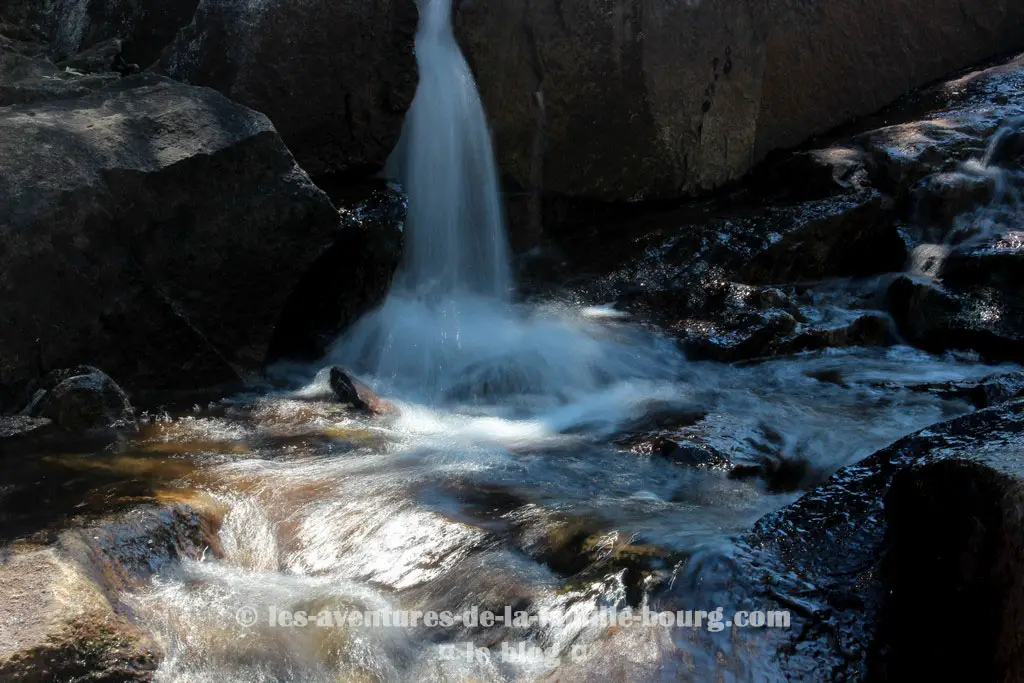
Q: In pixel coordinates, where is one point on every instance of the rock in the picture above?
(943, 126)
(79, 400)
(935, 514)
(27, 75)
(351, 391)
(1006, 150)
(737, 337)
(989, 392)
(705, 90)
(726, 321)
(58, 625)
(152, 228)
(851, 328)
(14, 426)
(985, 319)
(61, 615)
(941, 198)
(694, 454)
(334, 77)
(73, 27)
(102, 57)
(849, 236)
(348, 279)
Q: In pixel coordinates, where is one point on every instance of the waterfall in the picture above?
(448, 329)
(455, 241)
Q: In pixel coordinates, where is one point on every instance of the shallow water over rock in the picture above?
(549, 508)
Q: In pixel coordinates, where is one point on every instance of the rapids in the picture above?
(524, 468)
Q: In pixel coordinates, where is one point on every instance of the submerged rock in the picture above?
(152, 228)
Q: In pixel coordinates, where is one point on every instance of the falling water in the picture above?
(455, 242)
(448, 329)
(995, 223)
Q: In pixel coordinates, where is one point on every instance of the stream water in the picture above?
(518, 472)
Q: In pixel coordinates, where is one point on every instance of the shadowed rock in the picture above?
(635, 100)
(152, 228)
(928, 526)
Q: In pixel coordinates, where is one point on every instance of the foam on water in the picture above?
(448, 332)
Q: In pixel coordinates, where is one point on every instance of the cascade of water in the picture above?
(448, 329)
(455, 243)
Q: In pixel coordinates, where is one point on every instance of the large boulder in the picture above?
(152, 228)
(929, 526)
(335, 77)
(634, 100)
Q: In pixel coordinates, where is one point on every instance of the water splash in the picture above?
(995, 182)
(448, 331)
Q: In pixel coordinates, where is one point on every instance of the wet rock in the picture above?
(80, 399)
(953, 528)
(693, 454)
(1006, 150)
(844, 237)
(738, 336)
(941, 198)
(351, 391)
(335, 78)
(945, 125)
(152, 228)
(586, 549)
(716, 319)
(705, 90)
(15, 426)
(61, 615)
(58, 625)
(855, 328)
(988, 392)
(985, 319)
(936, 513)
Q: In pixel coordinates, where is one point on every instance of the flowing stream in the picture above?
(519, 471)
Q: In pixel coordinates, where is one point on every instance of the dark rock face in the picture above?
(76, 26)
(334, 77)
(651, 101)
(27, 75)
(621, 102)
(152, 228)
(929, 526)
(348, 279)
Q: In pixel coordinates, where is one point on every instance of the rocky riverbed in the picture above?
(799, 393)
